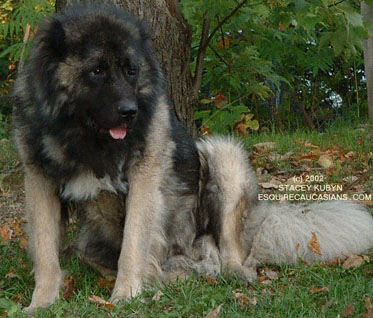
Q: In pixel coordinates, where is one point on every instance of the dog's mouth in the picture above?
(117, 132)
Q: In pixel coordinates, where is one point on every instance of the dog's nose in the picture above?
(127, 110)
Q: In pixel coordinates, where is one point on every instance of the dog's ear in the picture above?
(145, 35)
(52, 39)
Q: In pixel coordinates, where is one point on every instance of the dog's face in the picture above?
(103, 68)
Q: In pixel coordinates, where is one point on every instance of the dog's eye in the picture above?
(98, 72)
(132, 72)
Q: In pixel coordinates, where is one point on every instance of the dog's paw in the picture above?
(244, 273)
(40, 301)
(125, 293)
(46, 292)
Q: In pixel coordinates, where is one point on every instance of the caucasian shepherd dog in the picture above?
(92, 124)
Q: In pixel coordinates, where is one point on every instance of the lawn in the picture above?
(319, 290)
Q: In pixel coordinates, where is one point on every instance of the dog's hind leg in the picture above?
(101, 233)
(228, 191)
(43, 212)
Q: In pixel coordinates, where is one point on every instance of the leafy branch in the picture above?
(206, 39)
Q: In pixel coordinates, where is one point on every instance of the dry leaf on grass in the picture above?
(211, 280)
(5, 233)
(264, 146)
(214, 313)
(68, 287)
(272, 275)
(315, 290)
(369, 308)
(241, 298)
(278, 157)
(273, 184)
(157, 295)
(11, 274)
(314, 244)
(353, 261)
(99, 301)
(349, 311)
(309, 145)
(367, 202)
(106, 283)
(325, 161)
(23, 242)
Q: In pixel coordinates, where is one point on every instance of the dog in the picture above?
(93, 125)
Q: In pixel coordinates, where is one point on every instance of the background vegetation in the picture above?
(272, 65)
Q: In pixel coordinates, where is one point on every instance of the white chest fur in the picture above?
(86, 185)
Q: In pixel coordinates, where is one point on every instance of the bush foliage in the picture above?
(275, 64)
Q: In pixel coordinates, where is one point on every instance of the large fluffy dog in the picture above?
(93, 125)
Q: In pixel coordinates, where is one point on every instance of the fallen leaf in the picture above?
(310, 145)
(271, 274)
(349, 311)
(273, 184)
(23, 242)
(350, 179)
(99, 301)
(211, 280)
(353, 261)
(350, 155)
(315, 290)
(369, 308)
(277, 157)
(264, 146)
(106, 283)
(327, 304)
(5, 233)
(68, 287)
(253, 301)
(214, 313)
(311, 156)
(157, 295)
(241, 129)
(325, 161)
(17, 227)
(11, 274)
(264, 280)
(314, 244)
(241, 298)
(365, 258)
(334, 262)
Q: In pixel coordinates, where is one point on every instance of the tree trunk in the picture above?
(367, 12)
(171, 36)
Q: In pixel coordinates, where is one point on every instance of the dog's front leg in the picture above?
(143, 217)
(43, 214)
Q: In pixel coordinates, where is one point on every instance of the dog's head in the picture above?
(97, 68)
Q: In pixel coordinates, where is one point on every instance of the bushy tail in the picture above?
(314, 232)
(282, 232)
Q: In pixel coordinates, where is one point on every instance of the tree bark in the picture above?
(171, 36)
(367, 12)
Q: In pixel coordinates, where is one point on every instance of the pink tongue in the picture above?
(118, 132)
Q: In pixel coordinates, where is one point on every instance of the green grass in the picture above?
(288, 296)
(343, 133)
